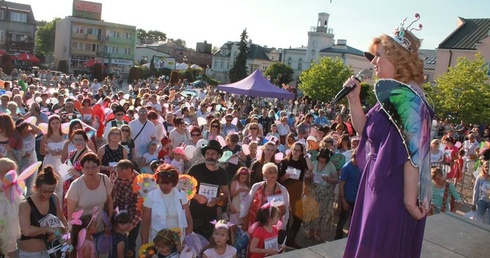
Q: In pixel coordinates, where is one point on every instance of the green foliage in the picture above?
(239, 69)
(280, 73)
(462, 91)
(7, 64)
(45, 36)
(134, 74)
(190, 74)
(62, 66)
(210, 80)
(323, 80)
(151, 36)
(181, 42)
(98, 71)
(367, 95)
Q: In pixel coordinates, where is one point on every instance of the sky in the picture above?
(276, 23)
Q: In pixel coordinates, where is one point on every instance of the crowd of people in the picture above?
(264, 167)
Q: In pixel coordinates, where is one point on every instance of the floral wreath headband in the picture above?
(399, 33)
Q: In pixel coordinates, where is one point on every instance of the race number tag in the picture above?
(208, 190)
(276, 198)
(50, 221)
(271, 243)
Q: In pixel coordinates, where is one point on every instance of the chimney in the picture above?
(341, 42)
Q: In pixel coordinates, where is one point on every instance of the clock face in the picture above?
(314, 43)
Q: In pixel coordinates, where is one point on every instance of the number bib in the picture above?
(271, 243)
(208, 190)
(50, 221)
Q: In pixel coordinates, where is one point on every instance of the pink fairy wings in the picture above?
(218, 224)
(75, 218)
(14, 185)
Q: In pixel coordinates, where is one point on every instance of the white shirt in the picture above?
(144, 138)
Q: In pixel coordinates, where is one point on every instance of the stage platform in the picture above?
(446, 236)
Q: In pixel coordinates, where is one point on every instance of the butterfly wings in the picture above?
(412, 116)
(14, 185)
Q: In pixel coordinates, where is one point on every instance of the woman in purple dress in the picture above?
(390, 211)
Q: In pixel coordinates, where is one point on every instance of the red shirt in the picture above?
(263, 236)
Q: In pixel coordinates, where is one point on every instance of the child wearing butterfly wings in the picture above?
(83, 227)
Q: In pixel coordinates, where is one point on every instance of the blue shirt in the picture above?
(321, 120)
(351, 175)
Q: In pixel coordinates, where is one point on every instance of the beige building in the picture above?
(259, 58)
(17, 28)
(84, 38)
(469, 37)
(321, 43)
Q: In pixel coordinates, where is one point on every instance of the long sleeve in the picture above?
(476, 190)
(454, 193)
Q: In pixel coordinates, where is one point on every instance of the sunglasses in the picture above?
(123, 179)
(195, 135)
(254, 128)
(215, 126)
(120, 114)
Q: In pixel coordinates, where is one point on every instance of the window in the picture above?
(290, 61)
(1, 14)
(300, 64)
(216, 63)
(222, 64)
(18, 17)
(127, 51)
(129, 35)
(78, 29)
(2, 36)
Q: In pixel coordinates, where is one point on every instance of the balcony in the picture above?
(119, 41)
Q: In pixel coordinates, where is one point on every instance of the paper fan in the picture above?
(147, 250)
(187, 184)
(14, 185)
(143, 184)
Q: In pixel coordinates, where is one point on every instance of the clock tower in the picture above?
(319, 37)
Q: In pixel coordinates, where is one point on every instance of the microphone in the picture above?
(363, 74)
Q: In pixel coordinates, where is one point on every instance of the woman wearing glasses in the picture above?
(113, 151)
(214, 130)
(166, 207)
(253, 135)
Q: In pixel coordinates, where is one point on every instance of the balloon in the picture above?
(31, 120)
(189, 151)
(217, 108)
(43, 127)
(234, 121)
(221, 140)
(201, 121)
(278, 157)
(201, 143)
(313, 132)
(226, 156)
(223, 120)
(245, 149)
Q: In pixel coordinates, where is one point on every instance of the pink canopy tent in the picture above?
(256, 85)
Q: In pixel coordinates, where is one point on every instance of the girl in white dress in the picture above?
(240, 185)
(51, 147)
(220, 243)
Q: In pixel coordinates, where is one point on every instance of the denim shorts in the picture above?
(24, 254)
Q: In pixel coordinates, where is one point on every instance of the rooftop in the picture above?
(470, 32)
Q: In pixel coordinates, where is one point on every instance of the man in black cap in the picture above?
(118, 120)
(212, 189)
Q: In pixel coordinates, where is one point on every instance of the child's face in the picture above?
(275, 219)
(243, 178)
(220, 236)
(152, 148)
(164, 249)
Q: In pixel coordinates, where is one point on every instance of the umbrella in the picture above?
(3, 52)
(91, 62)
(28, 58)
(195, 66)
(181, 66)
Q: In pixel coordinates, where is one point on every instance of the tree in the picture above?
(62, 66)
(98, 71)
(45, 36)
(323, 80)
(134, 74)
(367, 95)
(180, 42)
(239, 69)
(280, 73)
(462, 92)
(151, 36)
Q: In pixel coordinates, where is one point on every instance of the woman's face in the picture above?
(438, 178)
(269, 152)
(55, 124)
(90, 169)
(46, 191)
(79, 142)
(485, 167)
(270, 175)
(297, 151)
(115, 136)
(382, 66)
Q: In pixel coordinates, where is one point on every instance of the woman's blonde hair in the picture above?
(269, 165)
(408, 66)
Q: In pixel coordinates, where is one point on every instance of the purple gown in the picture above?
(381, 226)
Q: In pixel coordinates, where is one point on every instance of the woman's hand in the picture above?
(352, 82)
(200, 198)
(345, 205)
(417, 212)
(74, 173)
